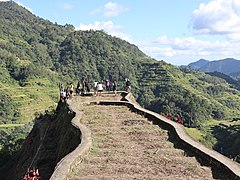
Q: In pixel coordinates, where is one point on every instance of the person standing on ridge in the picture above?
(78, 89)
(99, 88)
(179, 119)
(114, 85)
(128, 85)
(95, 83)
(169, 116)
(86, 87)
(107, 85)
(63, 95)
(71, 87)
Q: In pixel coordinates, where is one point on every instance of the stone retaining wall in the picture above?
(65, 166)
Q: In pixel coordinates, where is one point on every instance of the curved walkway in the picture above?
(65, 166)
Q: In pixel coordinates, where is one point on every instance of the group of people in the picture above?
(85, 87)
(176, 118)
(98, 87)
(32, 174)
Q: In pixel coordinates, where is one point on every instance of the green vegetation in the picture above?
(10, 125)
(222, 136)
(194, 133)
(35, 55)
(198, 97)
(11, 140)
(228, 142)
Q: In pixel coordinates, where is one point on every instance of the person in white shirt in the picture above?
(100, 88)
(63, 95)
(95, 87)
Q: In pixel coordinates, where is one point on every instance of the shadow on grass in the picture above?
(228, 141)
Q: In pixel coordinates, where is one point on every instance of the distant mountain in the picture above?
(236, 75)
(227, 66)
(198, 64)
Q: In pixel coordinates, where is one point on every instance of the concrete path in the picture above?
(123, 155)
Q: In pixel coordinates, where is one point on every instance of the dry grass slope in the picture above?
(128, 146)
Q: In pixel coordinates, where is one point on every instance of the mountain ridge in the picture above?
(36, 55)
(198, 64)
(228, 66)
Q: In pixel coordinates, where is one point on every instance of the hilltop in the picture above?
(37, 54)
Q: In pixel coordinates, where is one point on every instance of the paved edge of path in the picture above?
(66, 164)
(212, 156)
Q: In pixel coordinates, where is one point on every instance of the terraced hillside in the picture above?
(32, 98)
(128, 146)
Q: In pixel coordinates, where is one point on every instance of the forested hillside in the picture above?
(35, 55)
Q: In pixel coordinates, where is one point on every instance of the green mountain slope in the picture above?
(35, 55)
(196, 95)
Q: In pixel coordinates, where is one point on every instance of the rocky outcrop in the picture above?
(52, 138)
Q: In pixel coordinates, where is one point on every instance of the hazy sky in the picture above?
(176, 31)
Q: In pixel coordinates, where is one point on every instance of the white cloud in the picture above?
(159, 52)
(66, 6)
(162, 40)
(175, 50)
(3, 0)
(234, 38)
(236, 6)
(97, 25)
(190, 48)
(216, 17)
(110, 9)
(190, 43)
(107, 26)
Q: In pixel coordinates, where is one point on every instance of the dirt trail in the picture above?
(128, 146)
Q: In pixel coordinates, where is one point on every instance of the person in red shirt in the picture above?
(179, 119)
(169, 116)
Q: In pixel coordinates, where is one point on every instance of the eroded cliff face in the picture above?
(51, 138)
